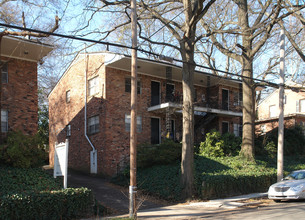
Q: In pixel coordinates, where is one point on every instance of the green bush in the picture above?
(61, 204)
(165, 153)
(217, 145)
(212, 146)
(22, 151)
(232, 144)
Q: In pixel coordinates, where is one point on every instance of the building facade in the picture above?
(90, 105)
(19, 93)
(268, 110)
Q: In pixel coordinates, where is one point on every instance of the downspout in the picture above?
(93, 153)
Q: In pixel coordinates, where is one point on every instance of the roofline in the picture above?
(285, 117)
(164, 63)
(140, 58)
(28, 41)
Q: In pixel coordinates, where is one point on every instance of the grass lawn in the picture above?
(18, 180)
(214, 177)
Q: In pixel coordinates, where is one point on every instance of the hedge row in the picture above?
(61, 204)
(220, 186)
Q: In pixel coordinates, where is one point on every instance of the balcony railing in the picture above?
(211, 103)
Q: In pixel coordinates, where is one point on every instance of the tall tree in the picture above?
(251, 24)
(180, 19)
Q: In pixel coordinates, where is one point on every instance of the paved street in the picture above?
(278, 211)
(270, 210)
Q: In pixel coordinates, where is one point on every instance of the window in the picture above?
(237, 99)
(128, 85)
(93, 125)
(68, 130)
(93, 85)
(127, 123)
(4, 121)
(237, 130)
(272, 111)
(4, 72)
(263, 129)
(68, 96)
(302, 105)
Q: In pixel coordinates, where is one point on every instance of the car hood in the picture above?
(289, 183)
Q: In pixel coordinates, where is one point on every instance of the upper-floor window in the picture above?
(93, 85)
(68, 130)
(127, 123)
(128, 85)
(93, 124)
(4, 120)
(68, 97)
(272, 111)
(4, 72)
(302, 105)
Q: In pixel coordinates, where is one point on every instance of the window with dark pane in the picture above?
(93, 124)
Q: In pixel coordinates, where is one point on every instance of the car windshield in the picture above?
(297, 175)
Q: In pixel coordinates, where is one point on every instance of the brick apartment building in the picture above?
(102, 81)
(19, 94)
(268, 110)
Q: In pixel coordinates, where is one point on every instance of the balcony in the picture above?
(201, 107)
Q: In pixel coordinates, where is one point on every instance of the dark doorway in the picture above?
(225, 99)
(225, 127)
(170, 88)
(155, 131)
(155, 93)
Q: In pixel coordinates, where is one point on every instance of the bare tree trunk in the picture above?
(247, 148)
(187, 160)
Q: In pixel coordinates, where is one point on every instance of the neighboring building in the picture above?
(106, 86)
(19, 93)
(268, 110)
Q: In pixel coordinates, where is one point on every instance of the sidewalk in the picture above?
(193, 210)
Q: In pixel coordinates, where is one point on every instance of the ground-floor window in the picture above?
(237, 130)
(4, 120)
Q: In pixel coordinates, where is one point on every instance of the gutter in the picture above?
(93, 153)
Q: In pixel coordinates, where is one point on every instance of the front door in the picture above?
(155, 93)
(225, 99)
(155, 131)
(225, 127)
(170, 88)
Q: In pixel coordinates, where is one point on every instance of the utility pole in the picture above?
(280, 144)
(133, 116)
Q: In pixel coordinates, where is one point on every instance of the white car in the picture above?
(291, 187)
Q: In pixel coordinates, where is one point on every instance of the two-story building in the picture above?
(19, 93)
(268, 109)
(90, 105)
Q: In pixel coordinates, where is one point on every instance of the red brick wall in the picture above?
(19, 96)
(111, 105)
